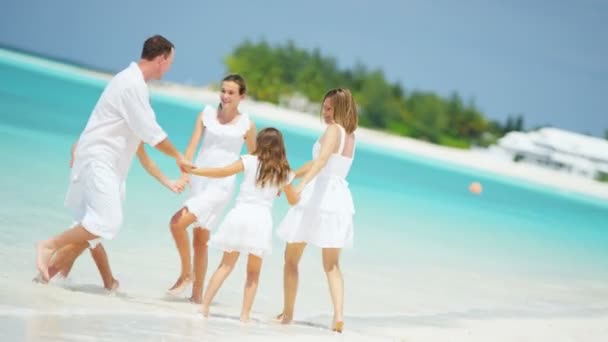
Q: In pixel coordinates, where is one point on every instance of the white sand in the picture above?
(419, 325)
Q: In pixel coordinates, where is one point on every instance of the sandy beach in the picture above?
(444, 267)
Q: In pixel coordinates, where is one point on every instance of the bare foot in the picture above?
(52, 272)
(245, 317)
(205, 311)
(283, 318)
(338, 326)
(180, 286)
(197, 293)
(195, 300)
(43, 257)
(114, 287)
(38, 279)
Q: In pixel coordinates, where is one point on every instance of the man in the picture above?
(119, 123)
(63, 259)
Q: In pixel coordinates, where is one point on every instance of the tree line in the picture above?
(276, 72)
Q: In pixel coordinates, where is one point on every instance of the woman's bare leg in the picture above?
(179, 223)
(331, 265)
(293, 254)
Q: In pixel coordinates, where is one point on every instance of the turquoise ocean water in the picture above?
(424, 245)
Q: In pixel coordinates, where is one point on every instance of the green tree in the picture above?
(283, 69)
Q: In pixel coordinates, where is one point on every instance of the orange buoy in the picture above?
(475, 188)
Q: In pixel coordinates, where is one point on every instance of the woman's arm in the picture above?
(330, 141)
(303, 169)
(250, 137)
(195, 139)
(220, 172)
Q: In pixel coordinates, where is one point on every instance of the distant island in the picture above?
(297, 78)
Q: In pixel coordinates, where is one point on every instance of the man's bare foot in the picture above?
(43, 257)
(180, 286)
(52, 272)
(205, 311)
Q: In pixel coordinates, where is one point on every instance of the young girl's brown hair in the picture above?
(273, 168)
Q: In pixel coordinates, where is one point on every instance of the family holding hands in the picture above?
(321, 212)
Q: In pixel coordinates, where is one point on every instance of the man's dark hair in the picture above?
(155, 46)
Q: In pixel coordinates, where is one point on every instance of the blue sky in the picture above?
(543, 59)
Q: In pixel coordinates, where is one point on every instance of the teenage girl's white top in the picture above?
(222, 144)
(324, 215)
(247, 228)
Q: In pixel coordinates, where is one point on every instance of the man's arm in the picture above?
(166, 147)
(141, 119)
(152, 169)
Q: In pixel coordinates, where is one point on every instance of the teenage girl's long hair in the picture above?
(273, 168)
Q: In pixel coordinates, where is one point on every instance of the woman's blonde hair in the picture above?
(273, 168)
(345, 108)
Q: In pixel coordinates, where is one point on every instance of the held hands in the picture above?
(179, 185)
(174, 186)
(184, 164)
(183, 180)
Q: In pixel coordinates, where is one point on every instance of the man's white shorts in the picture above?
(95, 197)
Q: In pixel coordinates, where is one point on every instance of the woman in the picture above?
(324, 216)
(225, 130)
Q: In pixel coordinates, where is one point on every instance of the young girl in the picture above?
(248, 226)
(222, 130)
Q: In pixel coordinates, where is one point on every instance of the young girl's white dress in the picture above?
(324, 215)
(247, 228)
(221, 146)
